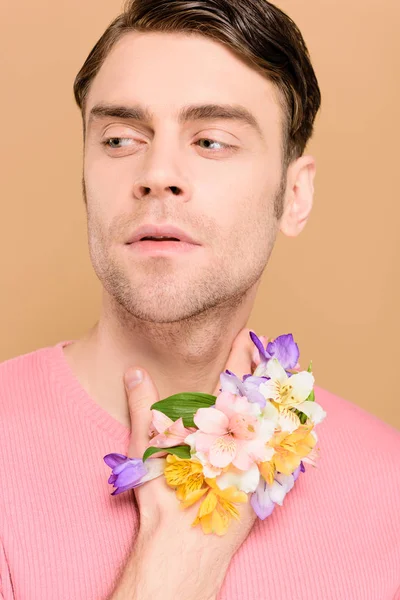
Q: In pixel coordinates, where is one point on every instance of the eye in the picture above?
(209, 142)
(114, 140)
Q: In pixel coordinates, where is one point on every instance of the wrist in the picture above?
(168, 567)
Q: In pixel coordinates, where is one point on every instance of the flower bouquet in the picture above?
(250, 441)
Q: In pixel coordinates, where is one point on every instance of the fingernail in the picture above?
(133, 377)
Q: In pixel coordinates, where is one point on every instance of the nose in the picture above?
(161, 176)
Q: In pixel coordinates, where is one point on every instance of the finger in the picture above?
(141, 394)
(240, 358)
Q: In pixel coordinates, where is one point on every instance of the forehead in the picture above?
(168, 70)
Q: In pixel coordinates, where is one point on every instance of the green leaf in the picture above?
(181, 451)
(302, 416)
(184, 405)
(311, 397)
(310, 367)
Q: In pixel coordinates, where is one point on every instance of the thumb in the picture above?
(141, 394)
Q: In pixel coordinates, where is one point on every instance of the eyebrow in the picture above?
(191, 112)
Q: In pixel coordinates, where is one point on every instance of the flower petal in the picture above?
(211, 420)
(114, 459)
(280, 487)
(155, 468)
(231, 383)
(245, 481)
(208, 469)
(270, 412)
(222, 451)
(288, 420)
(230, 404)
(244, 427)
(313, 410)
(264, 356)
(285, 349)
(276, 371)
(160, 421)
(190, 440)
(242, 460)
(270, 390)
(127, 472)
(208, 505)
(266, 430)
(203, 441)
(255, 397)
(162, 440)
(261, 502)
(193, 497)
(302, 384)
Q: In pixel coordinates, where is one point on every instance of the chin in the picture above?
(157, 304)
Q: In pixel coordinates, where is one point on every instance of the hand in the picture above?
(170, 558)
(156, 500)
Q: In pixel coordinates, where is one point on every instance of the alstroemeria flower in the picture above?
(208, 469)
(248, 387)
(169, 433)
(186, 476)
(230, 433)
(283, 348)
(266, 496)
(286, 390)
(290, 449)
(218, 508)
(245, 481)
(128, 473)
(256, 356)
(291, 392)
(284, 418)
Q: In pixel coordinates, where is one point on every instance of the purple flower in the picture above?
(248, 387)
(265, 497)
(261, 502)
(283, 348)
(128, 473)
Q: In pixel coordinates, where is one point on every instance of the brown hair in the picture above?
(258, 32)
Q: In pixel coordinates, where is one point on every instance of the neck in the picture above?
(183, 356)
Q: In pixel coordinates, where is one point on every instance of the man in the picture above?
(196, 115)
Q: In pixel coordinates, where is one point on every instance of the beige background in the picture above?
(335, 287)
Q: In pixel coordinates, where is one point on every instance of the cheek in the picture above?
(105, 196)
(238, 202)
(104, 177)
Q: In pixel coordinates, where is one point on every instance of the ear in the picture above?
(299, 195)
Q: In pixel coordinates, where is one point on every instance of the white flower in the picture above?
(284, 420)
(209, 470)
(246, 481)
(284, 390)
(313, 410)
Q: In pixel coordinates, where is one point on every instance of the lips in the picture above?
(161, 231)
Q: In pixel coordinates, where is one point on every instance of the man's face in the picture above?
(215, 178)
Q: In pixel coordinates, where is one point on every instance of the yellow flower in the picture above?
(186, 476)
(289, 448)
(267, 470)
(217, 509)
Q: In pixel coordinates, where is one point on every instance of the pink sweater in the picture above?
(64, 537)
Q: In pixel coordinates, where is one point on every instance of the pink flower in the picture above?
(230, 432)
(169, 433)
